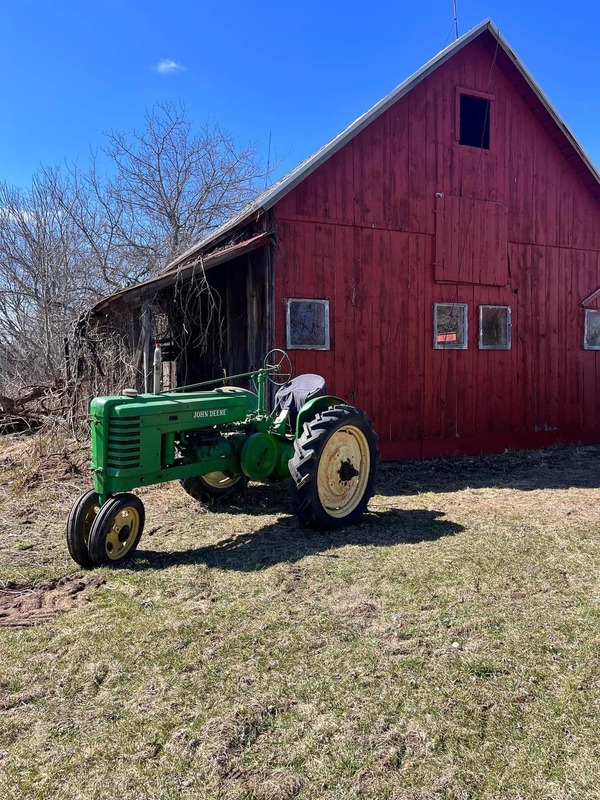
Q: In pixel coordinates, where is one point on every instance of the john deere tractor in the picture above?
(213, 438)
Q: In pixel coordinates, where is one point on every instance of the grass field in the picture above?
(446, 647)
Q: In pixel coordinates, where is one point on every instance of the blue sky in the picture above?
(297, 73)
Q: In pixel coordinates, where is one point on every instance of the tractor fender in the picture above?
(310, 409)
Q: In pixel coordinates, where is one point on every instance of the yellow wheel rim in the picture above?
(123, 533)
(219, 480)
(88, 522)
(343, 471)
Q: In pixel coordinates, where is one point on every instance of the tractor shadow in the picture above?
(284, 541)
(257, 499)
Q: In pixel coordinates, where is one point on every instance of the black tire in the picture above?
(214, 486)
(333, 468)
(117, 529)
(81, 517)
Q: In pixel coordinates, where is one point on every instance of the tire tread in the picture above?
(304, 463)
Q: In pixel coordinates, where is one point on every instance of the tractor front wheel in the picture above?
(81, 517)
(213, 486)
(117, 529)
(333, 468)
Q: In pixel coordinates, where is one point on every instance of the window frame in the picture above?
(508, 327)
(590, 312)
(460, 90)
(318, 300)
(449, 345)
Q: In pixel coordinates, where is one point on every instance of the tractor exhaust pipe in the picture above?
(157, 364)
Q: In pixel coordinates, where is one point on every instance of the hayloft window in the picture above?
(474, 115)
(591, 337)
(450, 326)
(494, 328)
(307, 324)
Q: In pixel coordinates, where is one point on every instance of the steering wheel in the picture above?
(279, 367)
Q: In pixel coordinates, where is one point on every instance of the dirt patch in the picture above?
(225, 736)
(23, 607)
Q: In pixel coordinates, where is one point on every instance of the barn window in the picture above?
(307, 324)
(494, 328)
(474, 115)
(591, 339)
(450, 326)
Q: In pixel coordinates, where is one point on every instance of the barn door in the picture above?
(245, 327)
(470, 241)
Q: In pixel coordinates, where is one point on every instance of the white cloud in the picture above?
(166, 66)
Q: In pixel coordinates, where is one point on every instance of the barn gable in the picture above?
(488, 37)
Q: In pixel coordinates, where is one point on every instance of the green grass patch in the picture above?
(448, 646)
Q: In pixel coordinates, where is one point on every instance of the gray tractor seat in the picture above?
(295, 393)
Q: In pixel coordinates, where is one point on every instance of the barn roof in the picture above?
(516, 71)
(490, 37)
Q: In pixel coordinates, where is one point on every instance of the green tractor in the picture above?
(213, 440)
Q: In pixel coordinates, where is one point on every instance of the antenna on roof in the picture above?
(455, 18)
(268, 160)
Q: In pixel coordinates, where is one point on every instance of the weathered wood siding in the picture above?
(403, 217)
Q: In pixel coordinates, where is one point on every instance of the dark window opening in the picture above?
(474, 121)
(494, 328)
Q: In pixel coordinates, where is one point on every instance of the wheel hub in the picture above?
(347, 471)
(124, 533)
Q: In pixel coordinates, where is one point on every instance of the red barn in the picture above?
(438, 263)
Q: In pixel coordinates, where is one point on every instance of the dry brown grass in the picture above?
(448, 646)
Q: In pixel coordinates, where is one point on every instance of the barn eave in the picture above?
(132, 294)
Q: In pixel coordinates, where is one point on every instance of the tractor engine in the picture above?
(146, 439)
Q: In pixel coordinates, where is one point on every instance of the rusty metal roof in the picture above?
(175, 273)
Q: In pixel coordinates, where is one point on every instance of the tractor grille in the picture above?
(124, 443)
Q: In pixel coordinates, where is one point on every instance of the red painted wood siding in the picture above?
(364, 232)
(470, 241)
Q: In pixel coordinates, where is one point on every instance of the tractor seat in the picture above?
(293, 394)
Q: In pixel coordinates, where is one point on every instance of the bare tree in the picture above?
(171, 185)
(76, 234)
(44, 282)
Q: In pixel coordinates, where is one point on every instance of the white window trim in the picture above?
(290, 346)
(509, 329)
(586, 346)
(449, 346)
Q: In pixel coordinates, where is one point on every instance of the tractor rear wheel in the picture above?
(116, 531)
(333, 468)
(82, 515)
(213, 486)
